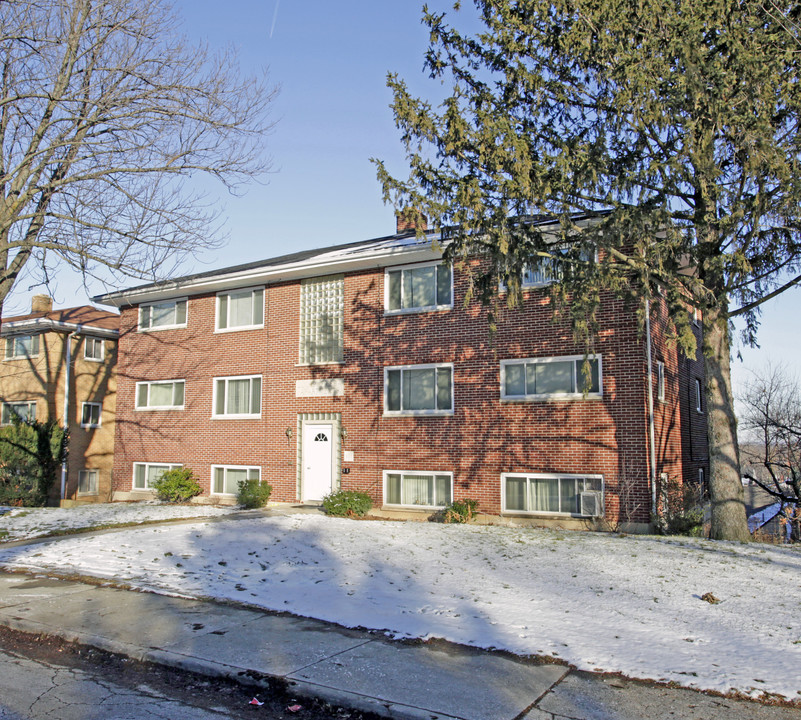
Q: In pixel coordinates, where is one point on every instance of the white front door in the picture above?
(318, 456)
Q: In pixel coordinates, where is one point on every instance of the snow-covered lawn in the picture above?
(25, 523)
(600, 602)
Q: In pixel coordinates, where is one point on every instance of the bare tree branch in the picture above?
(107, 117)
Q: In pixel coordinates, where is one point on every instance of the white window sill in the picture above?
(161, 327)
(546, 514)
(157, 408)
(236, 417)
(315, 364)
(418, 310)
(551, 398)
(90, 427)
(416, 508)
(240, 328)
(418, 413)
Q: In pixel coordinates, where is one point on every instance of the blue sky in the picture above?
(330, 58)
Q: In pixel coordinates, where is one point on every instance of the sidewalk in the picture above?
(344, 667)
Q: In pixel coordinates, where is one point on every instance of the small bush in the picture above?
(253, 494)
(347, 503)
(460, 511)
(176, 485)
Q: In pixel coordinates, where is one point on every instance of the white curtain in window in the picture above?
(544, 494)
(238, 397)
(420, 287)
(161, 394)
(240, 309)
(418, 490)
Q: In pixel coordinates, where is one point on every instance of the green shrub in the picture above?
(31, 454)
(347, 503)
(253, 494)
(460, 511)
(176, 485)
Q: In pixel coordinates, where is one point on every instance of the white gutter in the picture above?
(326, 263)
(66, 409)
(651, 432)
(42, 324)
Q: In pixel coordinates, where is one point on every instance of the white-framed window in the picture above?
(418, 489)
(322, 320)
(163, 315)
(698, 406)
(22, 346)
(93, 349)
(87, 482)
(418, 288)
(660, 381)
(240, 309)
(225, 479)
(25, 411)
(237, 397)
(145, 474)
(90, 414)
(549, 378)
(558, 494)
(418, 390)
(160, 395)
(547, 270)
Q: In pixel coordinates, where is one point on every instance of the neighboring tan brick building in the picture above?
(359, 366)
(61, 363)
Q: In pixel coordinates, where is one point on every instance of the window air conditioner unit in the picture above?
(590, 504)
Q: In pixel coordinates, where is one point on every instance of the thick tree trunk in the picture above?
(725, 486)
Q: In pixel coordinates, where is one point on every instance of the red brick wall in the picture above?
(482, 439)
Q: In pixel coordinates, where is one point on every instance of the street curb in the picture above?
(209, 668)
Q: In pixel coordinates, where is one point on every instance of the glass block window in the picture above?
(322, 319)
(418, 489)
(22, 346)
(547, 493)
(226, 478)
(543, 378)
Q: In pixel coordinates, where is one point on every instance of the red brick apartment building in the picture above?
(360, 367)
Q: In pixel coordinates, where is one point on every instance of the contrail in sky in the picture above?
(275, 17)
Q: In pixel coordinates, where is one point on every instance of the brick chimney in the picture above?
(409, 219)
(41, 304)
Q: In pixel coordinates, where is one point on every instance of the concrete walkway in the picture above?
(345, 667)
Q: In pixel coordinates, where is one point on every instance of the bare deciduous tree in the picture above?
(771, 423)
(107, 117)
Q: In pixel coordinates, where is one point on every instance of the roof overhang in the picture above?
(39, 325)
(378, 254)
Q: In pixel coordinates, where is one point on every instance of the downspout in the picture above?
(66, 419)
(651, 433)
